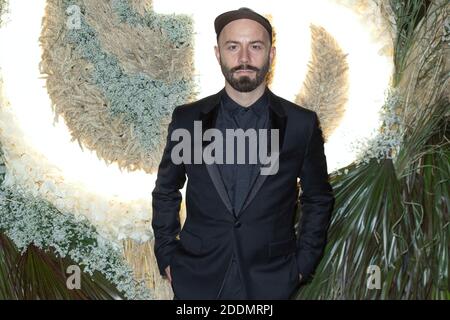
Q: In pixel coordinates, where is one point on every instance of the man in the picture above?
(238, 240)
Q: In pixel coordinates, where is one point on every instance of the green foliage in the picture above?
(398, 222)
(407, 15)
(393, 212)
(39, 275)
(31, 221)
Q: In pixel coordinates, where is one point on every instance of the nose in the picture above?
(243, 56)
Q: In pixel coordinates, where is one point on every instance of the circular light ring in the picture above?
(116, 202)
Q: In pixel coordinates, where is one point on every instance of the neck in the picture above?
(245, 99)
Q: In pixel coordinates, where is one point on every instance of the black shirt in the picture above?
(238, 178)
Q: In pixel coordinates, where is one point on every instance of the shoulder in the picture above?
(194, 108)
(295, 111)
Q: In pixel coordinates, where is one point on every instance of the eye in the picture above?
(232, 47)
(257, 46)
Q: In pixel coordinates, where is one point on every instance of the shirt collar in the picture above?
(258, 107)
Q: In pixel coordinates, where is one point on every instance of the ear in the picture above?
(272, 54)
(217, 52)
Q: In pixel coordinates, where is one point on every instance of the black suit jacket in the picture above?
(262, 234)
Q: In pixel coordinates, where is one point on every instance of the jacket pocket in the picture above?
(190, 242)
(282, 248)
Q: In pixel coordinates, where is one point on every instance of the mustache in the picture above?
(244, 67)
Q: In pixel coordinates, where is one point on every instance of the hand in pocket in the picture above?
(168, 274)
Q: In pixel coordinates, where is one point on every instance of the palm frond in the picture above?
(40, 275)
(401, 225)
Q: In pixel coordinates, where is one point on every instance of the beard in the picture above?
(245, 83)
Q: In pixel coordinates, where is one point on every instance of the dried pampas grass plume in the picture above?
(141, 258)
(325, 89)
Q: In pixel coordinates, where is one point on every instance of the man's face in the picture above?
(245, 54)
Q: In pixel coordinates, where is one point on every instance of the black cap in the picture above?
(241, 13)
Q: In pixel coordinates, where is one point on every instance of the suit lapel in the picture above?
(277, 120)
(208, 116)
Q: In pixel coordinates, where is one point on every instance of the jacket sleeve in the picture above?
(166, 202)
(317, 202)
